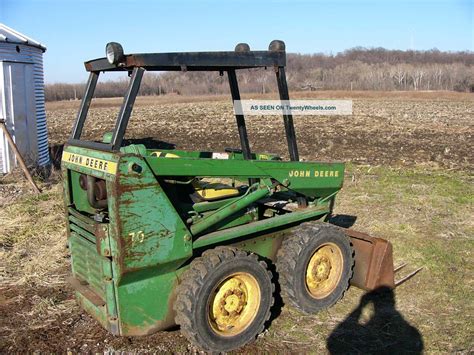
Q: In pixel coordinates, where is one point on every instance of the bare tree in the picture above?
(358, 68)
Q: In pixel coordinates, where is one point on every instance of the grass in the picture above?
(427, 215)
(32, 238)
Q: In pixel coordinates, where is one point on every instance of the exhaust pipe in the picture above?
(92, 195)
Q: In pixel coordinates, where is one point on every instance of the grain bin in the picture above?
(22, 100)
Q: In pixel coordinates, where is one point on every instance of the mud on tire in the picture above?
(224, 299)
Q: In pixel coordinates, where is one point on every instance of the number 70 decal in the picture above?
(137, 237)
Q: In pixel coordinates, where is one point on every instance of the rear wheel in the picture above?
(224, 299)
(314, 266)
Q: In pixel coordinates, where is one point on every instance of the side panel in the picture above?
(266, 245)
(149, 232)
(92, 267)
(132, 260)
(146, 302)
(150, 243)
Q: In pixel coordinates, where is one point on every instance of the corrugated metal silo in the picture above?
(22, 99)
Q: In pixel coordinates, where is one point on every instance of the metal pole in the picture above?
(244, 140)
(18, 156)
(85, 104)
(126, 110)
(289, 127)
(287, 118)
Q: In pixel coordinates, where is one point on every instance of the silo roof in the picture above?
(9, 35)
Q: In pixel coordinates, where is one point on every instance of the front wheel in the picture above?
(224, 299)
(314, 266)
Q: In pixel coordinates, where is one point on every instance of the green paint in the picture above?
(264, 225)
(131, 254)
(229, 209)
(265, 246)
(312, 179)
(150, 231)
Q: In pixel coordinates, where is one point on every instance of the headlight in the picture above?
(114, 53)
(242, 47)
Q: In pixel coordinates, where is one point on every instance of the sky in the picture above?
(76, 31)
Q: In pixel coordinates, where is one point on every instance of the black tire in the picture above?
(294, 257)
(198, 291)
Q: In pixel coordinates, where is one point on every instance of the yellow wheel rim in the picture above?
(234, 304)
(324, 270)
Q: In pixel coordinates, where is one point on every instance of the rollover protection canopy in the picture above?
(136, 64)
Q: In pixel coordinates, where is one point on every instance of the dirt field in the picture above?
(434, 129)
(410, 181)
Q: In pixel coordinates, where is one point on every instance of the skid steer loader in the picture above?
(156, 242)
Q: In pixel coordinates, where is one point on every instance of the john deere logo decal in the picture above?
(105, 166)
(315, 173)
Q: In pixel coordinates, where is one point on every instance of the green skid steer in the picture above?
(160, 237)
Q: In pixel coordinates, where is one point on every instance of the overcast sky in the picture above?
(75, 31)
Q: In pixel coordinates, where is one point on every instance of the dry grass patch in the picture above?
(33, 238)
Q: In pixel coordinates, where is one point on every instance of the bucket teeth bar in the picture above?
(407, 277)
(373, 265)
(399, 267)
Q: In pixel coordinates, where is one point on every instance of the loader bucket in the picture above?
(373, 265)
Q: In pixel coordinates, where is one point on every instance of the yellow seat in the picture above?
(164, 155)
(209, 191)
(204, 190)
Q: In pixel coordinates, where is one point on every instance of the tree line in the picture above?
(354, 69)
